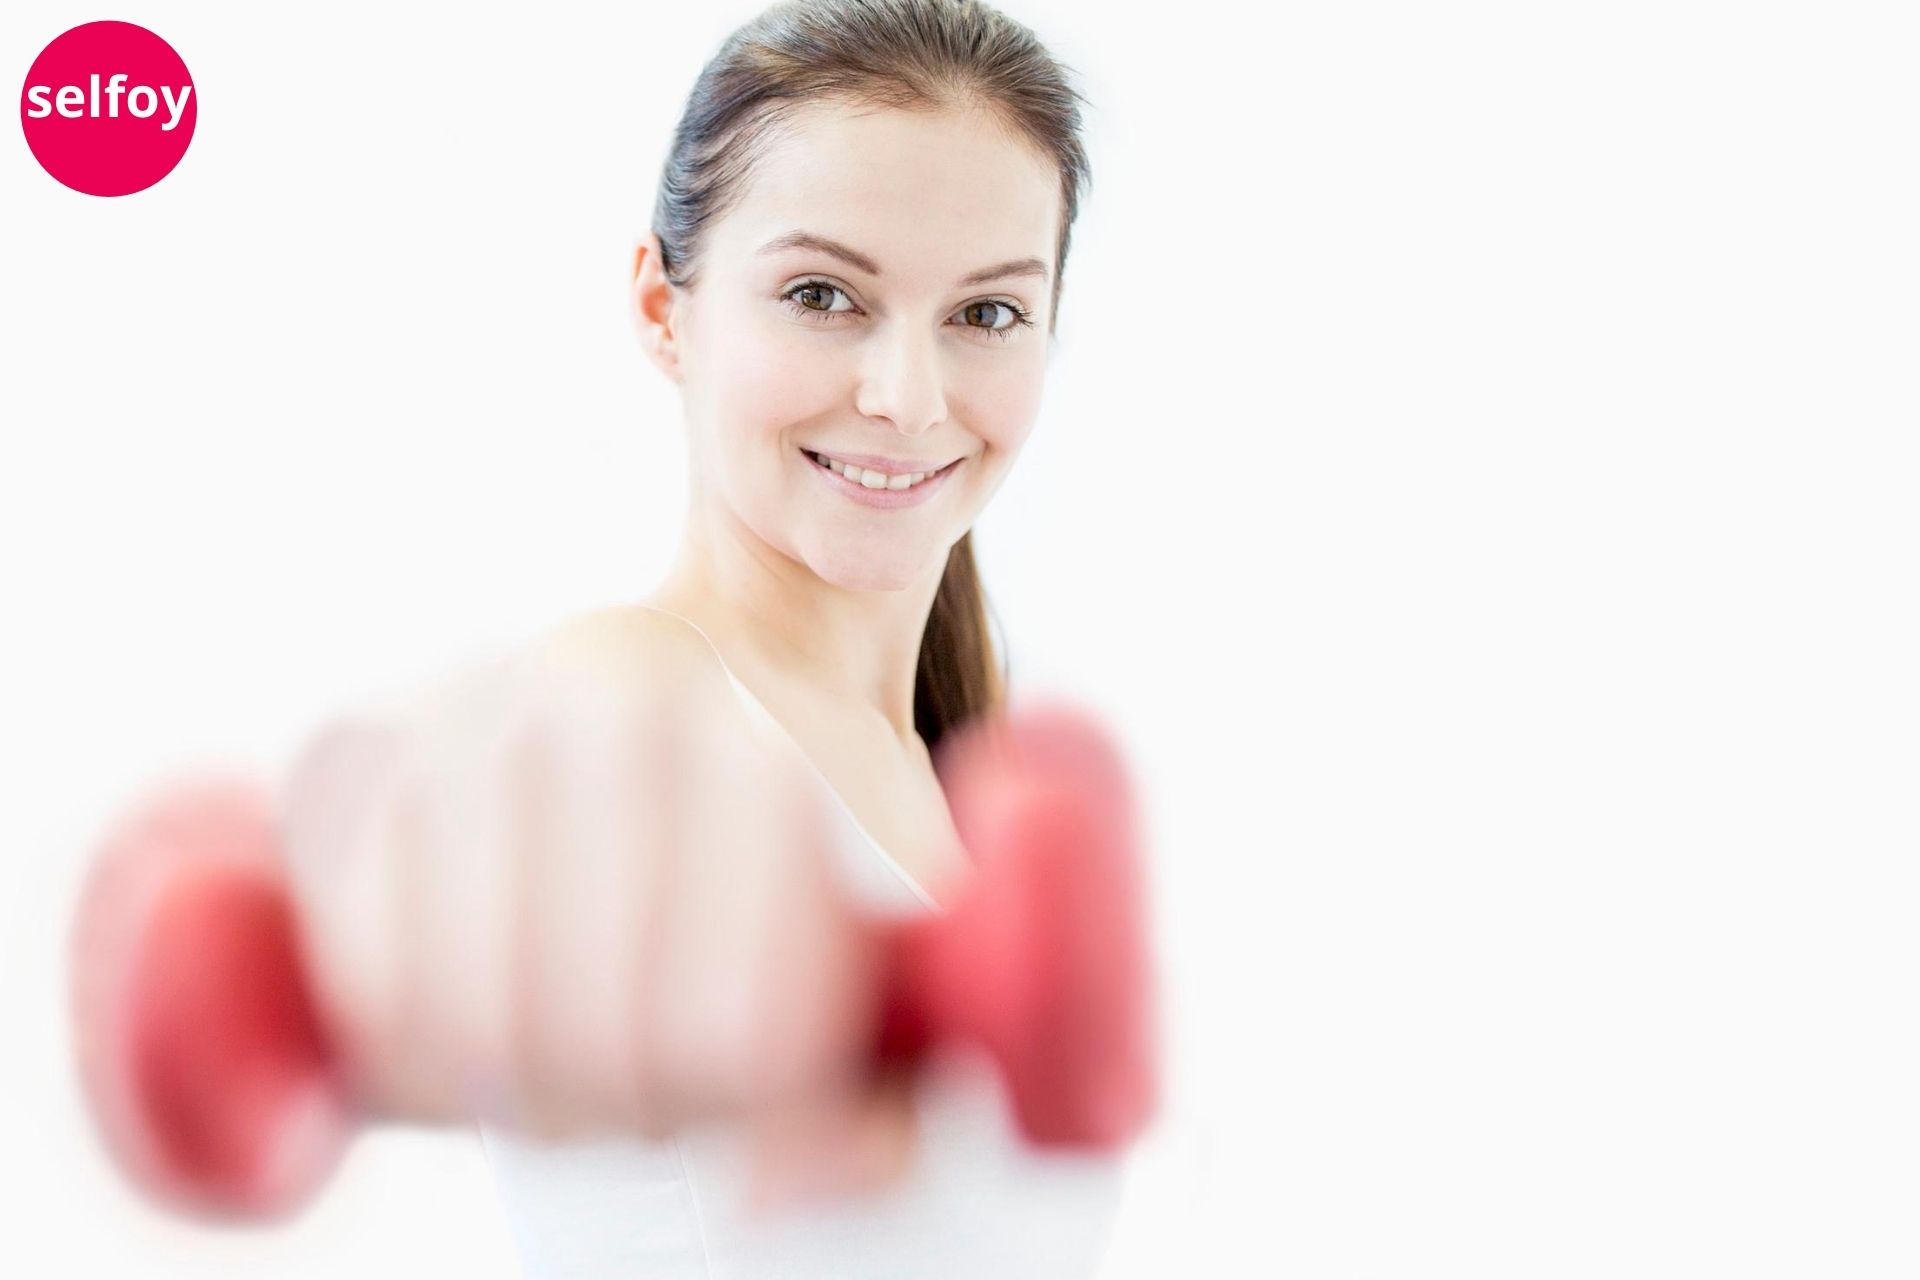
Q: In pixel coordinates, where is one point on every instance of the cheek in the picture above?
(1001, 405)
(762, 381)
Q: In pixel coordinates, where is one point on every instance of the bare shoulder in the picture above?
(636, 660)
(637, 649)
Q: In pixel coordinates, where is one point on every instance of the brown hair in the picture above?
(924, 55)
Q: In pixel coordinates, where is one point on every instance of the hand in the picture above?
(574, 897)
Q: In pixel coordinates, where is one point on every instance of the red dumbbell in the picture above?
(215, 1085)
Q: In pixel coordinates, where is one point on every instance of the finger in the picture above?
(762, 970)
(821, 972)
(337, 798)
(400, 1082)
(717, 907)
(468, 955)
(596, 806)
(445, 856)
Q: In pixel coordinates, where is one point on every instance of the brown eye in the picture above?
(812, 300)
(977, 309)
(824, 292)
(1017, 317)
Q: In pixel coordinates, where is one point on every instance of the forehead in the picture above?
(928, 196)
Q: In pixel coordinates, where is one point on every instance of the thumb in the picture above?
(859, 1142)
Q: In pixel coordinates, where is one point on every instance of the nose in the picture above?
(901, 380)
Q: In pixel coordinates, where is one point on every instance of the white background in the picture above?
(1477, 479)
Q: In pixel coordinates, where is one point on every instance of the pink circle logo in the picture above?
(108, 108)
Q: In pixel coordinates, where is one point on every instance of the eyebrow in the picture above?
(821, 244)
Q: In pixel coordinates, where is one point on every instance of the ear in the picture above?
(654, 300)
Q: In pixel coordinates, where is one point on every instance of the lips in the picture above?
(926, 474)
(881, 496)
(874, 462)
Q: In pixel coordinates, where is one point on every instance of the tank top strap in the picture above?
(758, 711)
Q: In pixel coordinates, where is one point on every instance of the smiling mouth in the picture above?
(877, 479)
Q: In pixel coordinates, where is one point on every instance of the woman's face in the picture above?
(929, 353)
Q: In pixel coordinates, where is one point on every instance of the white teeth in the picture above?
(873, 479)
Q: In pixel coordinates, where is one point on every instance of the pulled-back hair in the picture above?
(915, 55)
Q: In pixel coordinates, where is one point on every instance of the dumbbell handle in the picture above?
(216, 1086)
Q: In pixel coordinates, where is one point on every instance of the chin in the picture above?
(865, 573)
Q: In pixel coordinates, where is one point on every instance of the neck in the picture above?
(860, 645)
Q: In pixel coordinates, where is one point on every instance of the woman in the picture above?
(621, 882)
(852, 278)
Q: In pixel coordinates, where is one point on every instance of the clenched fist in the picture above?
(579, 890)
(572, 895)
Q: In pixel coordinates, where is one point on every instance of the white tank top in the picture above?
(978, 1202)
